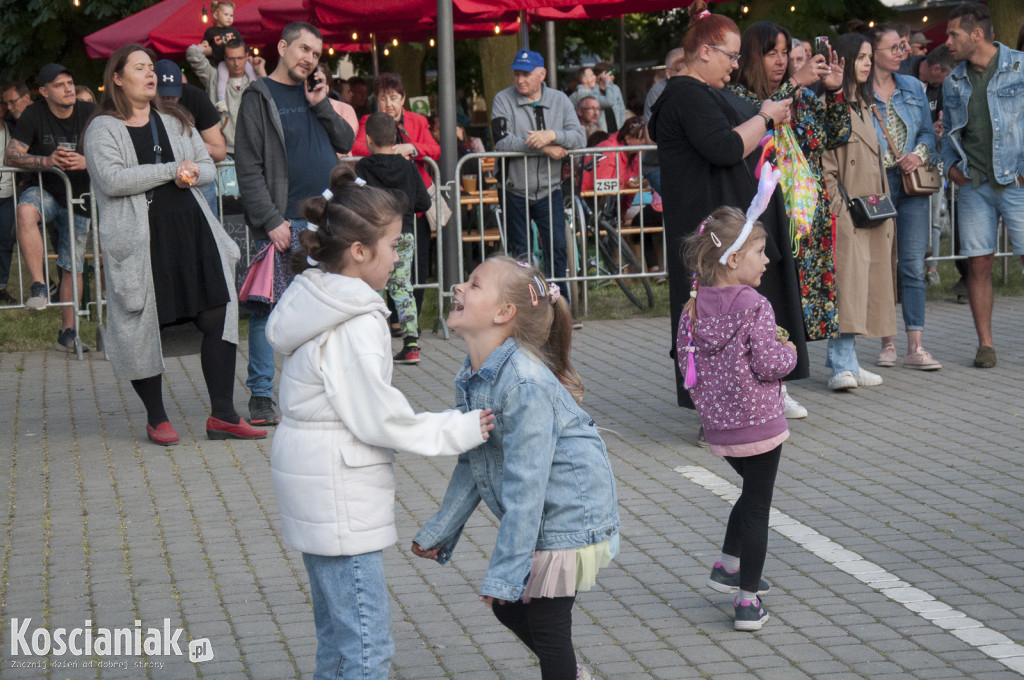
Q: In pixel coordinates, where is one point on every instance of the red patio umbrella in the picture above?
(135, 28)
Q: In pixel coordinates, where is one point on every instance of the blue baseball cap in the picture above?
(527, 60)
(168, 78)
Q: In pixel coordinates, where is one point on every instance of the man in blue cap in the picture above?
(531, 117)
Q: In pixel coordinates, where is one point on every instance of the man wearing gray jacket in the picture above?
(285, 143)
(531, 117)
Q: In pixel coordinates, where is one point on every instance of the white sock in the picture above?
(748, 596)
(730, 563)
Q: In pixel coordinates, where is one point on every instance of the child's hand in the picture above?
(790, 345)
(207, 50)
(431, 554)
(489, 601)
(486, 423)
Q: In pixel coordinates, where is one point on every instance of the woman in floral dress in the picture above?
(764, 73)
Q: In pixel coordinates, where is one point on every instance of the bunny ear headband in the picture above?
(765, 188)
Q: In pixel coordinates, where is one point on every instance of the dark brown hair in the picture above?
(388, 82)
(381, 129)
(848, 47)
(356, 213)
(541, 326)
(115, 103)
(707, 30)
(758, 40)
(974, 15)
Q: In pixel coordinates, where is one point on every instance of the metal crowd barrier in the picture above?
(583, 210)
(74, 303)
(1004, 249)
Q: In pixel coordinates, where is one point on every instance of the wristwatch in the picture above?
(769, 123)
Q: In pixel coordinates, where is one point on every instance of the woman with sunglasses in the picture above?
(903, 105)
(705, 137)
(765, 73)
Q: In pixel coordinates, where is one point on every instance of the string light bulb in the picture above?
(792, 8)
(871, 24)
(386, 52)
(255, 51)
(497, 29)
(924, 19)
(431, 42)
(355, 36)
(330, 51)
(76, 3)
(745, 9)
(206, 18)
(395, 42)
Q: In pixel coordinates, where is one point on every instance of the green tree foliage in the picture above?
(37, 32)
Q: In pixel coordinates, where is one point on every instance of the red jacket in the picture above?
(417, 133)
(627, 167)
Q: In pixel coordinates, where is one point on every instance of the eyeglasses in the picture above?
(734, 58)
(894, 50)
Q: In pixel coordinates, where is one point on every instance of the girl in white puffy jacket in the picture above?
(333, 452)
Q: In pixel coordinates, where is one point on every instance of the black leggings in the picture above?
(217, 357)
(746, 535)
(545, 626)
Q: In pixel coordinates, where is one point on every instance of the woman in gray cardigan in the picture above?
(166, 258)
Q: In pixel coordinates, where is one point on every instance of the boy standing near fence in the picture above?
(386, 169)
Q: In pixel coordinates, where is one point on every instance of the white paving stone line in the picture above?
(971, 631)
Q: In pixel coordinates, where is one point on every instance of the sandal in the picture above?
(701, 441)
(887, 358)
(921, 360)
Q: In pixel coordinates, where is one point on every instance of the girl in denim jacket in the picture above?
(733, 356)
(544, 472)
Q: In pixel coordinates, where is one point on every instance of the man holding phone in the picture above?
(47, 137)
(285, 142)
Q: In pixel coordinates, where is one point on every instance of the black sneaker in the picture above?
(37, 297)
(410, 354)
(725, 582)
(749, 615)
(5, 298)
(66, 342)
(263, 412)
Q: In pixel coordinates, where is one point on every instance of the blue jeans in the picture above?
(840, 354)
(7, 237)
(209, 192)
(979, 210)
(261, 355)
(352, 615)
(57, 212)
(518, 225)
(911, 244)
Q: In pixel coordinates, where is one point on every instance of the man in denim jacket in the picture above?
(983, 153)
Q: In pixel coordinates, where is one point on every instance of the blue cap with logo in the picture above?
(168, 78)
(49, 73)
(527, 60)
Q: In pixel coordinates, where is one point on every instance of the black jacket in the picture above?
(400, 176)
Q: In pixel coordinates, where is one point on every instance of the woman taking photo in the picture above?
(864, 271)
(167, 260)
(903, 105)
(764, 74)
(704, 136)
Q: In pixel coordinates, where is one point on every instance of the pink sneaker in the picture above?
(921, 360)
(887, 358)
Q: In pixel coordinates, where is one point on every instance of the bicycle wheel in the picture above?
(622, 260)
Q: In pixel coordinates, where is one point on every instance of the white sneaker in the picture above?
(842, 381)
(794, 411)
(868, 379)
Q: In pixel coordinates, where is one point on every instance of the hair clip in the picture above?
(540, 285)
(312, 262)
(717, 241)
(554, 292)
(327, 194)
(312, 227)
(703, 13)
(700, 229)
(360, 182)
(533, 295)
(524, 265)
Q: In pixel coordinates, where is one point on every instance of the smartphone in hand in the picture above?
(311, 81)
(822, 47)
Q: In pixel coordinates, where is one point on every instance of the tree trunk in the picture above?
(1007, 19)
(496, 55)
(407, 61)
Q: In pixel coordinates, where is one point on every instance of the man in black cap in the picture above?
(48, 136)
(173, 91)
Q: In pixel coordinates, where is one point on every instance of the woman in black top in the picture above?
(705, 138)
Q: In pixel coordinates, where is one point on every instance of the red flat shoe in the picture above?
(220, 429)
(163, 434)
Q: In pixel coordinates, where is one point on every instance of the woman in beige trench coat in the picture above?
(865, 273)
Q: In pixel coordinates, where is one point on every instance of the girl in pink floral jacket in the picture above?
(733, 357)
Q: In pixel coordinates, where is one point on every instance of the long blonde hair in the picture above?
(542, 323)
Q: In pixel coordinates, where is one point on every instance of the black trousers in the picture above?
(545, 626)
(746, 535)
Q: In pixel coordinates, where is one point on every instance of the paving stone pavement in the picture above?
(898, 552)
